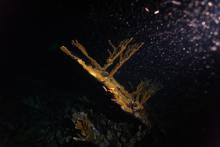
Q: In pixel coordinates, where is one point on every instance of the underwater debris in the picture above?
(84, 125)
(133, 102)
(105, 132)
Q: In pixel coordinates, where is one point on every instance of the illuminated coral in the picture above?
(133, 102)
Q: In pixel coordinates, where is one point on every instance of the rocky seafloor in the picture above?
(60, 121)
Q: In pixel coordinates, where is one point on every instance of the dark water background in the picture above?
(178, 53)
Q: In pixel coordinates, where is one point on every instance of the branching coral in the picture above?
(133, 102)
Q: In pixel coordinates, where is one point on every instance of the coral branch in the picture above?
(125, 56)
(117, 51)
(129, 102)
(84, 52)
(144, 90)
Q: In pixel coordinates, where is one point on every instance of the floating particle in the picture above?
(216, 33)
(216, 42)
(176, 3)
(210, 4)
(146, 9)
(207, 66)
(203, 57)
(157, 12)
(213, 48)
